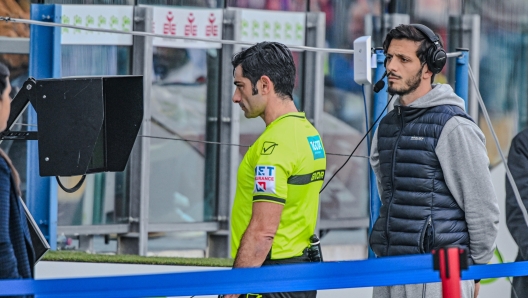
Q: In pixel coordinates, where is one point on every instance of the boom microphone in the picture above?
(380, 84)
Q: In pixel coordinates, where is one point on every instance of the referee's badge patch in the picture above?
(268, 147)
(264, 179)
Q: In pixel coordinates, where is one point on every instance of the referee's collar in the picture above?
(300, 115)
(295, 114)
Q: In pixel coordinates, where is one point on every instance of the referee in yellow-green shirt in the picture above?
(278, 182)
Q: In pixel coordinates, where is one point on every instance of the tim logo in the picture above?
(211, 29)
(191, 29)
(317, 147)
(264, 179)
(415, 138)
(169, 28)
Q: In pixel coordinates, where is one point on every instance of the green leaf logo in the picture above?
(77, 21)
(276, 30)
(126, 23)
(65, 20)
(245, 27)
(299, 29)
(288, 30)
(255, 30)
(113, 22)
(89, 21)
(101, 21)
(266, 27)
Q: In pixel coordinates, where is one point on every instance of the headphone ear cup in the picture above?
(437, 60)
(385, 62)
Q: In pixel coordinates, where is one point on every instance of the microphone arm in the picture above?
(380, 84)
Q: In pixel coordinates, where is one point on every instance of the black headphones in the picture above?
(435, 57)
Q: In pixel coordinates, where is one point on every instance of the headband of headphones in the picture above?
(429, 33)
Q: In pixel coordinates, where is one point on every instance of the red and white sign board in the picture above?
(200, 23)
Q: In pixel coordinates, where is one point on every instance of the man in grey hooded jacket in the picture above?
(431, 166)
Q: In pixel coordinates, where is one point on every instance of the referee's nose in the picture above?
(237, 98)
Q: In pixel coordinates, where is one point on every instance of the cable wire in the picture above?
(366, 116)
(230, 144)
(25, 124)
(496, 139)
(368, 135)
(351, 154)
(73, 189)
(193, 141)
(148, 34)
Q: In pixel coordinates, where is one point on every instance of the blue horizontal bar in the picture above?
(314, 276)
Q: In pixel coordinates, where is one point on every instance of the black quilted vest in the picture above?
(418, 212)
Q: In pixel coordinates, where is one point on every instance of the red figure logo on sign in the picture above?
(190, 29)
(169, 28)
(211, 29)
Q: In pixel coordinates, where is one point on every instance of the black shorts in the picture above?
(296, 260)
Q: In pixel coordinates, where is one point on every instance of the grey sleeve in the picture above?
(461, 150)
(374, 160)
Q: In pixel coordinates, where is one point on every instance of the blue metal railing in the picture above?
(380, 100)
(44, 62)
(313, 276)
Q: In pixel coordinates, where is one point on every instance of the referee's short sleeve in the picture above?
(273, 167)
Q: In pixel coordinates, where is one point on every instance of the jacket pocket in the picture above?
(427, 236)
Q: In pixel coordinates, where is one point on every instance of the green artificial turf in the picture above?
(69, 256)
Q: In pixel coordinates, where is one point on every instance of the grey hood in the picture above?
(441, 94)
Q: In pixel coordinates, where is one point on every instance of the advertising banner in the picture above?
(195, 22)
(265, 25)
(113, 17)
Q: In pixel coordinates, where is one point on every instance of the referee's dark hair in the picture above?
(271, 59)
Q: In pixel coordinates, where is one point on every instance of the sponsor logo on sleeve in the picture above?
(268, 147)
(264, 179)
(317, 175)
(317, 147)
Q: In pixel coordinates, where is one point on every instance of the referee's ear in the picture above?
(267, 85)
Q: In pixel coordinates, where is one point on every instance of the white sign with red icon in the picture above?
(199, 23)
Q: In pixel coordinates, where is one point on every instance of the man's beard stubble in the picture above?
(413, 83)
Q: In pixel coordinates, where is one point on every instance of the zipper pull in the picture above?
(429, 221)
(399, 111)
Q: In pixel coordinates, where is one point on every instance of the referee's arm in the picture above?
(258, 237)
